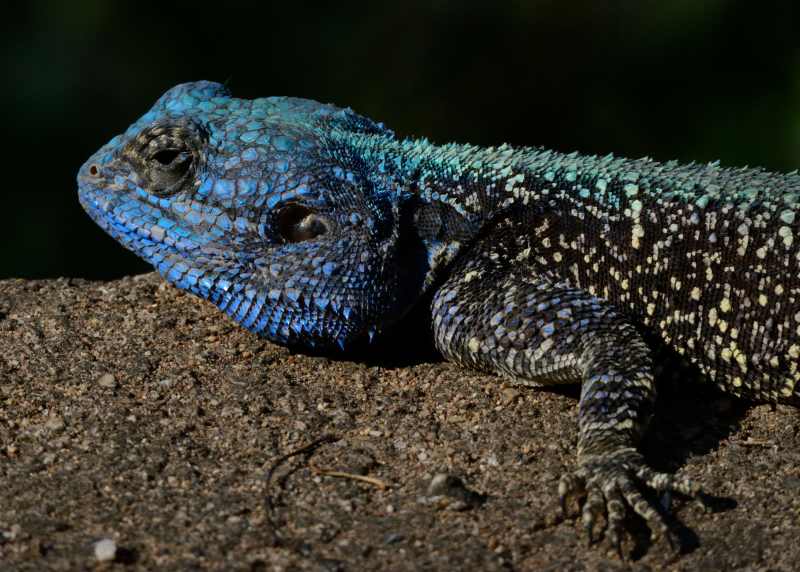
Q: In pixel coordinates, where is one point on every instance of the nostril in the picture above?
(94, 170)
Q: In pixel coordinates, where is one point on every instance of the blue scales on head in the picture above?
(252, 204)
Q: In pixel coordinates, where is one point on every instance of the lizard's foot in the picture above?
(611, 481)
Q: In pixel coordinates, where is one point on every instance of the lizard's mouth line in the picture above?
(101, 212)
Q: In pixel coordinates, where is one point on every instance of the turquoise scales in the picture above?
(316, 227)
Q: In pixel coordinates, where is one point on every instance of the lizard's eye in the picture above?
(166, 156)
(167, 168)
(297, 223)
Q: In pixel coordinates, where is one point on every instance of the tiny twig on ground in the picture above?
(382, 485)
(305, 450)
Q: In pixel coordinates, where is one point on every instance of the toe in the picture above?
(615, 505)
(593, 507)
(658, 527)
(664, 482)
(570, 485)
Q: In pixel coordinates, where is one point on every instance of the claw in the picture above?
(562, 495)
(616, 543)
(673, 545)
(587, 528)
(702, 500)
(666, 500)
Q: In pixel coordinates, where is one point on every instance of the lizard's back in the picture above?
(705, 256)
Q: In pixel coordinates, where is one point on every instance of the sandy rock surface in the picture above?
(142, 429)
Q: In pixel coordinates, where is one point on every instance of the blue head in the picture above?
(283, 212)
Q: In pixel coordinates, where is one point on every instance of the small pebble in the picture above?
(509, 395)
(54, 423)
(458, 496)
(12, 533)
(442, 484)
(392, 538)
(107, 380)
(105, 550)
(791, 484)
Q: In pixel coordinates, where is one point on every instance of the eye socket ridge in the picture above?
(298, 223)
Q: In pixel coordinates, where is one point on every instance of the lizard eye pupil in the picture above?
(297, 223)
(166, 157)
(173, 161)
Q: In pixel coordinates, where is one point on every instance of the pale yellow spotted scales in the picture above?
(705, 256)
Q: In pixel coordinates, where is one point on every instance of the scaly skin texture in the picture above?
(316, 227)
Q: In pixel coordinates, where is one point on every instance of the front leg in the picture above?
(494, 315)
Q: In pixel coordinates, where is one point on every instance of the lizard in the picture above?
(318, 228)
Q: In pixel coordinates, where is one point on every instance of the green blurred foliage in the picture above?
(688, 80)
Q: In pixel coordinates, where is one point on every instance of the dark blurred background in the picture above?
(683, 79)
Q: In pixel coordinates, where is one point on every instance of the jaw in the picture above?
(175, 260)
(273, 308)
(100, 210)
